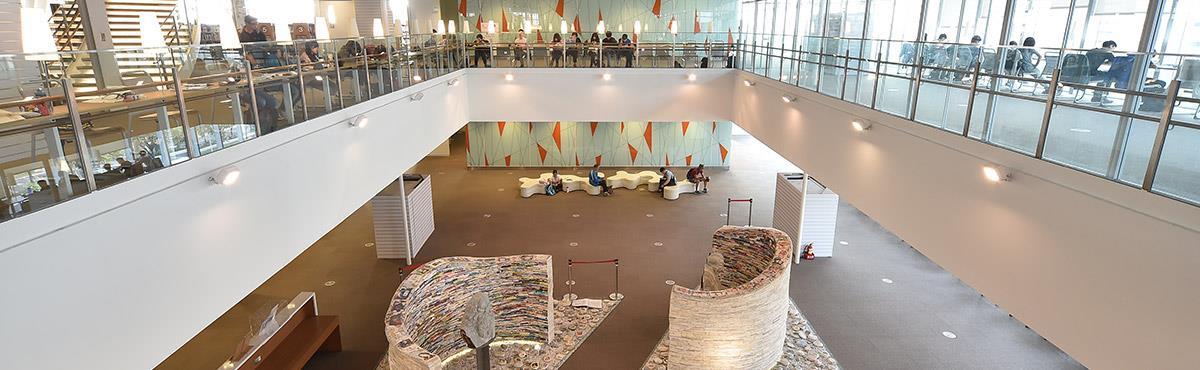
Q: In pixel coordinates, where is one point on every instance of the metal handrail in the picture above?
(870, 65)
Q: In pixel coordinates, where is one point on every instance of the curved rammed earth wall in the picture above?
(741, 327)
(423, 321)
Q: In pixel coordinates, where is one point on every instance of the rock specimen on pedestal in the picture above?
(479, 323)
(714, 267)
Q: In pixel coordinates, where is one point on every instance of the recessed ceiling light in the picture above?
(996, 174)
(860, 125)
(360, 121)
(1081, 130)
(452, 82)
(226, 176)
(417, 96)
(843, 242)
(508, 77)
(788, 98)
(949, 334)
(886, 281)
(417, 78)
(748, 83)
(607, 77)
(691, 77)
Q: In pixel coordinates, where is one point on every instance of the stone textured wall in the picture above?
(743, 326)
(423, 321)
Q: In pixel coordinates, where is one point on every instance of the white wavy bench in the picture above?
(632, 180)
(681, 186)
(531, 186)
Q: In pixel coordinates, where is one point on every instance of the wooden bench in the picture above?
(302, 335)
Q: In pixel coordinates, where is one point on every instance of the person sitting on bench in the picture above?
(554, 184)
(595, 179)
(696, 176)
(668, 179)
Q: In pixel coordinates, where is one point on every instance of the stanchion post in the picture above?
(616, 296)
(570, 282)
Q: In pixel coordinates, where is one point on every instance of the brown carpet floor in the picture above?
(867, 324)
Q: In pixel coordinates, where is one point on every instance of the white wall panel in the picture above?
(120, 278)
(1105, 271)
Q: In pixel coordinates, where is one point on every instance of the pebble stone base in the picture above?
(572, 325)
(801, 350)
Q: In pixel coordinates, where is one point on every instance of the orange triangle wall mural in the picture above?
(626, 144)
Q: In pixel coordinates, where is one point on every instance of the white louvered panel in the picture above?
(820, 221)
(789, 201)
(420, 214)
(10, 26)
(391, 231)
(365, 11)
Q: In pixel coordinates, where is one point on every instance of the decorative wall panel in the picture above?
(623, 144)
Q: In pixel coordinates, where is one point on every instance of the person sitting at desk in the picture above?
(968, 58)
(145, 160)
(627, 50)
(521, 47)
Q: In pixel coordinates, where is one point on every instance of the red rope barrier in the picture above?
(571, 262)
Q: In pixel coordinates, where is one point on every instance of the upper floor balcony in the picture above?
(1127, 117)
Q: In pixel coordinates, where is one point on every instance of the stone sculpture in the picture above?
(714, 268)
(479, 323)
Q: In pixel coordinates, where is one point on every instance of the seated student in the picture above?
(697, 176)
(595, 179)
(1096, 59)
(554, 184)
(668, 179)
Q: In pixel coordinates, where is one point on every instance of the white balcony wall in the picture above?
(121, 278)
(1105, 271)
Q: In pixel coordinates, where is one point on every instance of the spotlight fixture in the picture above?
(607, 77)
(226, 176)
(788, 98)
(416, 78)
(691, 77)
(417, 96)
(748, 83)
(861, 126)
(508, 77)
(360, 121)
(996, 173)
(452, 82)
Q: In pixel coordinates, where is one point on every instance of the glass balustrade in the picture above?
(78, 122)
(1133, 118)
(72, 126)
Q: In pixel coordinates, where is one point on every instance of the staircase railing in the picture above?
(69, 26)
